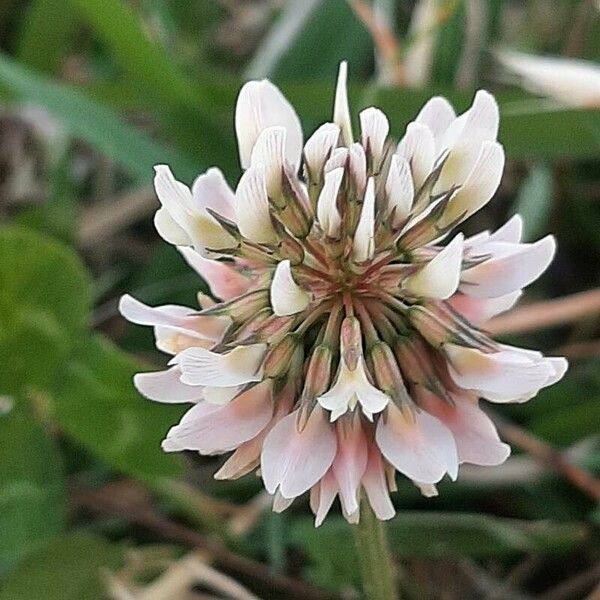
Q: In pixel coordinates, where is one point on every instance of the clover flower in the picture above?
(346, 340)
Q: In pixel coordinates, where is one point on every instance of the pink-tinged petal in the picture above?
(350, 461)
(165, 386)
(476, 437)
(322, 495)
(505, 274)
(504, 376)
(480, 310)
(210, 190)
(213, 429)
(224, 281)
(293, 460)
(423, 449)
(375, 483)
(280, 503)
(247, 457)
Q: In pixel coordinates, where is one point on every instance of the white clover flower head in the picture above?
(344, 342)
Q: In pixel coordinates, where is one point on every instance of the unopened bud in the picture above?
(279, 358)
(243, 308)
(435, 331)
(351, 342)
(294, 210)
(318, 375)
(386, 371)
(291, 249)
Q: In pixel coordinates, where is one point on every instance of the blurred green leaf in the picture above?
(122, 31)
(44, 304)
(69, 569)
(95, 403)
(33, 501)
(449, 43)
(100, 127)
(534, 201)
(46, 35)
(433, 535)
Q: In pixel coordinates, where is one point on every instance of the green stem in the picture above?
(374, 557)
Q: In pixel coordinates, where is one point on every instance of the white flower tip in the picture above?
(328, 214)
(363, 247)
(341, 110)
(374, 130)
(440, 277)
(287, 297)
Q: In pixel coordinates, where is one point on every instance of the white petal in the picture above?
(268, 151)
(293, 460)
(165, 386)
(200, 366)
(363, 247)
(142, 314)
(320, 145)
(437, 113)
(509, 273)
(341, 110)
(464, 138)
(440, 277)
(210, 190)
(511, 231)
(252, 206)
(417, 147)
(287, 297)
(327, 211)
(357, 163)
(479, 187)
(399, 189)
(423, 450)
(570, 81)
(260, 105)
(374, 128)
(338, 158)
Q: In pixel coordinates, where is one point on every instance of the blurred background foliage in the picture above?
(94, 93)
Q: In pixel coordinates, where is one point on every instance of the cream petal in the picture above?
(210, 190)
(327, 211)
(224, 281)
(260, 104)
(440, 277)
(341, 109)
(417, 147)
(269, 151)
(320, 145)
(479, 187)
(374, 128)
(287, 297)
(220, 395)
(363, 247)
(399, 189)
(169, 230)
(509, 273)
(212, 429)
(200, 366)
(252, 206)
(357, 164)
(506, 375)
(423, 450)
(293, 461)
(165, 386)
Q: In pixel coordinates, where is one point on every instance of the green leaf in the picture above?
(33, 501)
(71, 568)
(95, 403)
(44, 305)
(535, 201)
(46, 35)
(432, 535)
(100, 127)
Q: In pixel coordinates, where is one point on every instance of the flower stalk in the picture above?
(377, 569)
